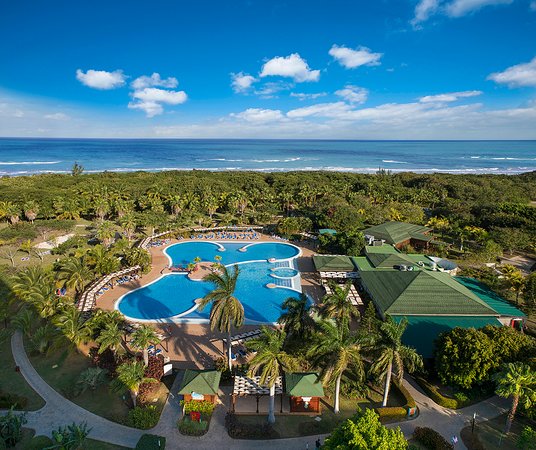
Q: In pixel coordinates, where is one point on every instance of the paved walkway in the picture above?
(60, 411)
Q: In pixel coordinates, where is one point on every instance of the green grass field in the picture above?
(13, 382)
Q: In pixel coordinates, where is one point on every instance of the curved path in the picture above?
(60, 411)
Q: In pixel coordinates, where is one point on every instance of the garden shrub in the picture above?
(436, 396)
(151, 442)
(238, 430)
(220, 365)
(191, 428)
(105, 360)
(203, 407)
(143, 417)
(155, 368)
(11, 427)
(410, 401)
(392, 412)
(431, 439)
(527, 439)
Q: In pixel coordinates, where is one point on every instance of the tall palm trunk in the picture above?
(145, 357)
(133, 396)
(511, 414)
(229, 348)
(387, 383)
(271, 415)
(337, 393)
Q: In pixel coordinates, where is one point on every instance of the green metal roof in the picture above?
(421, 292)
(333, 263)
(422, 331)
(385, 248)
(387, 260)
(303, 385)
(396, 232)
(205, 382)
(362, 263)
(495, 301)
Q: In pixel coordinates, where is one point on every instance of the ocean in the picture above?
(20, 156)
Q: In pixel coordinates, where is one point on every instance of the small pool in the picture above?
(284, 272)
(172, 297)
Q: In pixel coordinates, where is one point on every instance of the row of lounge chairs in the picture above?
(239, 236)
(158, 243)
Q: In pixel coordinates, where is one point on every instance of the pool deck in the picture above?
(195, 345)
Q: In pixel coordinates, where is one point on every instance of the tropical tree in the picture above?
(270, 360)
(514, 279)
(31, 209)
(43, 337)
(101, 207)
(138, 257)
(74, 273)
(516, 380)
(30, 280)
(337, 305)
(334, 350)
(391, 353)
(24, 320)
(130, 376)
(226, 310)
(72, 325)
(111, 337)
(128, 223)
(297, 319)
(106, 233)
(364, 431)
(142, 338)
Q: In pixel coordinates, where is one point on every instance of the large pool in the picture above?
(172, 296)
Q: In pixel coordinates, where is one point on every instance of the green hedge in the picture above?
(436, 396)
(39, 443)
(431, 439)
(151, 442)
(190, 428)
(397, 412)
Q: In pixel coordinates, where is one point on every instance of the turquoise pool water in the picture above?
(174, 294)
(284, 272)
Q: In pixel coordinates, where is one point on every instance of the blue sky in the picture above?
(377, 69)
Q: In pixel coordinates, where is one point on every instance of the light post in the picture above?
(473, 423)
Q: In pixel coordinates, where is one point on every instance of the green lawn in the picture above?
(13, 382)
(490, 433)
(90, 444)
(61, 370)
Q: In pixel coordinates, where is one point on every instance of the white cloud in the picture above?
(423, 10)
(335, 109)
(520, 75)
(303, 96)
(154, 81)
(532, 5)
(353, 94)
(350, 58)
(292, 66)
(100, 79)
(151, 100)
(242, 82)
(56, 116)
(449, 97)
(257, 115)
(458, 8)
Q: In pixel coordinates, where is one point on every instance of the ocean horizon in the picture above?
(30, 156)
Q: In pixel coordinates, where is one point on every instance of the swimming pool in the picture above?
(172, 296)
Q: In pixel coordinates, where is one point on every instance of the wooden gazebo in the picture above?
(200, 385)
(304, 391)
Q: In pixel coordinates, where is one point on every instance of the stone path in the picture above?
(60, 411)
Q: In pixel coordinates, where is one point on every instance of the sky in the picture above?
(328, 69)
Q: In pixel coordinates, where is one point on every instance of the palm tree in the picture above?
(111, 337)
(297, 320)
(516, 380)
(141, 339)
(226, 310)
(23, 321)
(270, 360)
(128, 223)
(138, 257)
(31, 208)
(337, 306)
(335, 350)
(12, 212)
(72, 325)
(106, 233)
(131, 376)
(30, 280)
(74, 273)
(389, 352)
